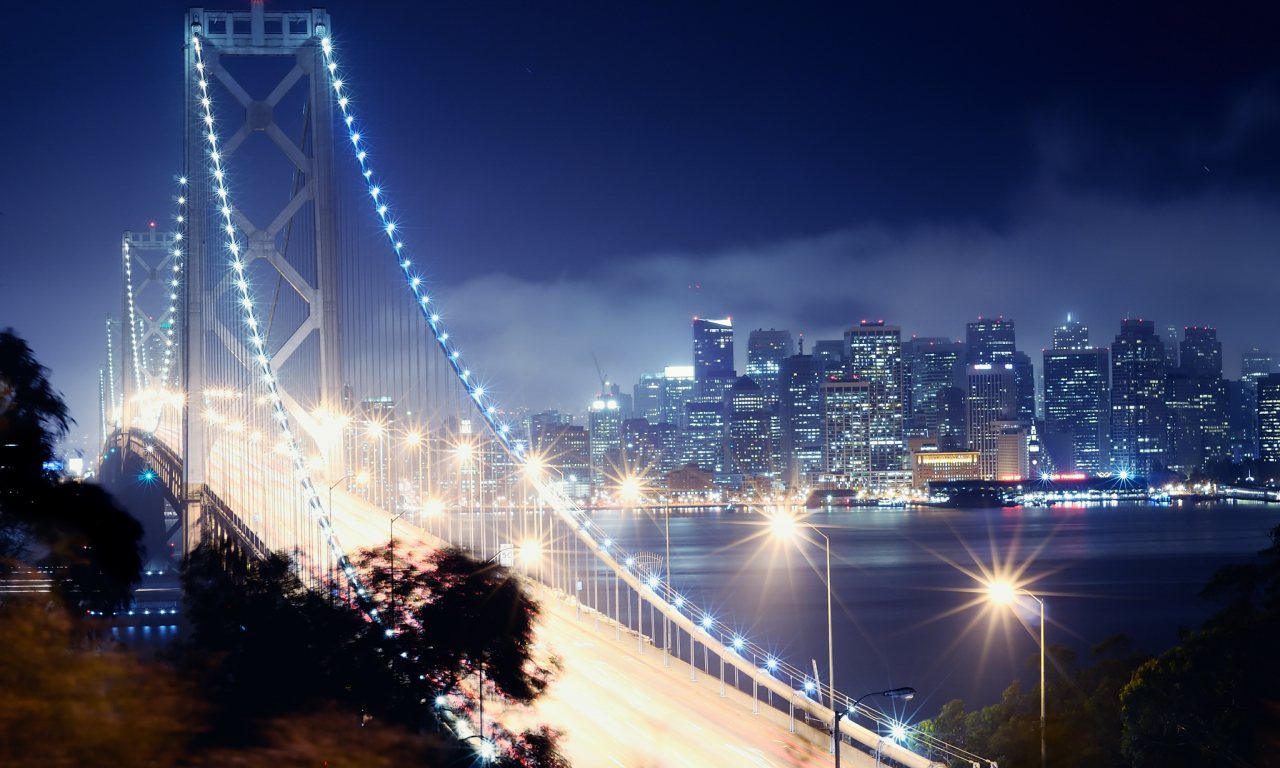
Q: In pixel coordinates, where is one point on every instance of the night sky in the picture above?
(568, 173)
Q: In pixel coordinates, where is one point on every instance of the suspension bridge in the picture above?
(282, 373)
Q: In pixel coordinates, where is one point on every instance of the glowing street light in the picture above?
(1004, 593)
(898, 732)
(786, 527)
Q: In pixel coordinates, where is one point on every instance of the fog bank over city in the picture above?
(1099, 259)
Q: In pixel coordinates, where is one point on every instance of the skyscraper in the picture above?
(1269, 418)
(874, 351)
(1077, 402)
(990, 341)
(830, 351)
(1255, 363)
(378, 415)
(712, 348)
(1200, 352)
(1139, 387)
(1198, 404)
(1170, 348)
(747, 439)
(993, 341)
(992, 405)
(606, 417)
(800, 414)
(647, 397)
(929, 366)
(677, 389)
(846, 420)
(765, 352)
(702, 439)
(1070, 335)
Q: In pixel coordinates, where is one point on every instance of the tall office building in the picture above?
(1077, 404)
(565, 448)
(929, 366)
(1269, 418)
(765, 352)
(702, 439)
(1200, 352)
(747, 434)
(1242, 419)
(1070, 335)
(378, 417)
(677, 389)
(606, 417)
(990, 341)
(831, 351)
(1255, 363)
(1198, 404)
(874, 352)
(712, 348)
(1170, 348)
(993, 341)
(992, 405)
(800, 416)
(1139, 388)
(846, 420)
(650, 450)
(646, 397)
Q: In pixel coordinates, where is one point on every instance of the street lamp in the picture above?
(391, 544)
(895, 693)
(1003, 592)
(785, 527)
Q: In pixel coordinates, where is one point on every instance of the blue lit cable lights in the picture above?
(236, 255)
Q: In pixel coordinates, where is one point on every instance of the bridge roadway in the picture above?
(616, 706)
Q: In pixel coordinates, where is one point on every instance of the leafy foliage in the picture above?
(1215, 699)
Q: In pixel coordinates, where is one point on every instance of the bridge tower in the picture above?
(259, 40)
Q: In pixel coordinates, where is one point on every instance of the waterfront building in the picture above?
(930, 465)
(1139, 389)
(712, 348)
(874, 352)
(991, 403)
(747, 433)
(1077, 403)
(1013, 460)
(765, 352)
(1269, 418)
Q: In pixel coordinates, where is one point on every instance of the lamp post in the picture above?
(895, 693)
(785, 526)
(1004, 592)
(391, 544)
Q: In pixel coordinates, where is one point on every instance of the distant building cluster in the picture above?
(876, 413)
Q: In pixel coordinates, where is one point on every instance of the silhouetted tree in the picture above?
(92, 545)
(1215, 698)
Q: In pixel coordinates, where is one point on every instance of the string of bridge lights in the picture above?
(174, 282)
(133, 315)
(379, 199)
(237, 254)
